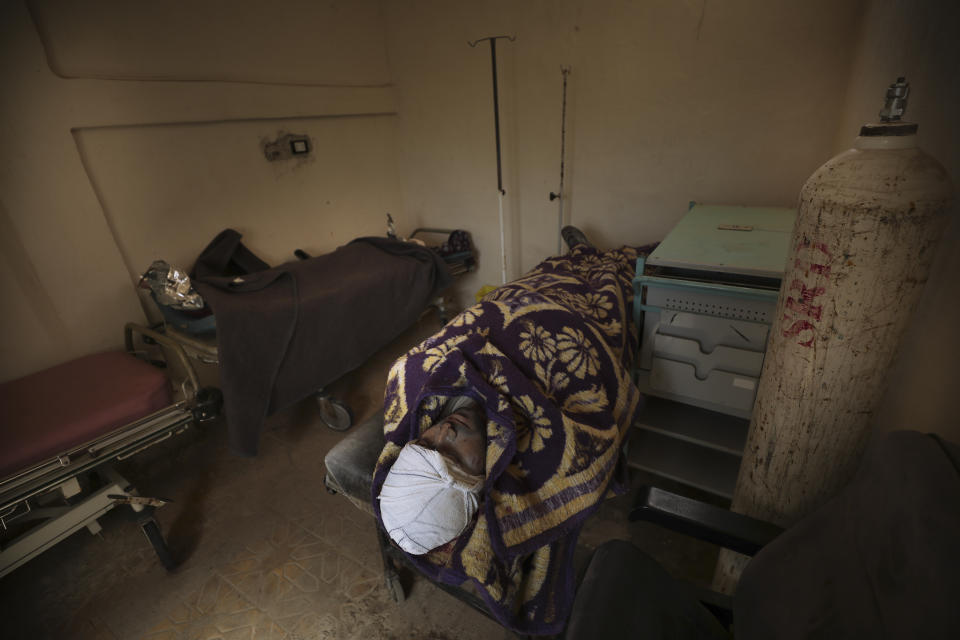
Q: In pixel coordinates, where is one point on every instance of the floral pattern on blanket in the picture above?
(548, 356)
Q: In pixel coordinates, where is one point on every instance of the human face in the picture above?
(460, 436)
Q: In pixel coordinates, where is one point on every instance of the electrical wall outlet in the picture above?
(300, 146)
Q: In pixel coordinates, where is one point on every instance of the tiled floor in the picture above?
(266, 551)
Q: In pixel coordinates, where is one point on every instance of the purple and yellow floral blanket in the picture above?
(548, 357)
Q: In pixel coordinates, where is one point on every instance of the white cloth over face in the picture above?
(426, 500)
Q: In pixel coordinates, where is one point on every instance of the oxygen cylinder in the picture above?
(867, 228)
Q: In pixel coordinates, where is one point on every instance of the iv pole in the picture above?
(496, 128)
(565, 71)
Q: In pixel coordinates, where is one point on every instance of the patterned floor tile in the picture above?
(162, 634)
(180, 613)
(356, 541)
(356, 580)
(293, 606)
(247, 619)
(227, 615)
(89, 628)
(300, 577)
(315, 626)
(203, 630)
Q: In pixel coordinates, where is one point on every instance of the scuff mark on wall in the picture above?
(31, 286)
(703, 13)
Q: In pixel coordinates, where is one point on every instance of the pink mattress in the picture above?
(51, 411)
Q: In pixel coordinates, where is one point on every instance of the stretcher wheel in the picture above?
(209, 403)
(334, 413)
(395, 587)
(152, 530)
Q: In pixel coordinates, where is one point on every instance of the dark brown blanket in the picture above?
(284, 332)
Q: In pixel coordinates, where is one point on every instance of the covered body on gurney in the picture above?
(287, 331)
(547, 360)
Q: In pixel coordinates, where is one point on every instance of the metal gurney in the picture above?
(61, 429)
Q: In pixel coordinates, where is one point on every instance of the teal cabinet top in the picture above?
(731, 239)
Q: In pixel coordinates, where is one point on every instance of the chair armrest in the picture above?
(728, 529)
(720, 605)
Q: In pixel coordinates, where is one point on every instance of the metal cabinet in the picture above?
(704, 302)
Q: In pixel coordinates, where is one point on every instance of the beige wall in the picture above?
(341, 191)
(918, 40)
(304, 42)
(105, 168)
(63, 277)
(668, 101)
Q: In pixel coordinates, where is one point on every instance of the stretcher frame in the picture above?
(459, 264)
(21, 493)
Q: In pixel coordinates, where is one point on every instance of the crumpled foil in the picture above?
(171, 287)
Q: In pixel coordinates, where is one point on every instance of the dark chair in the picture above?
(880, 560)
(349, 472)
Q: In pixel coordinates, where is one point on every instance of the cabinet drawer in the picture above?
(711, 332)
(722, 358)
(708, 332)
(720, 388)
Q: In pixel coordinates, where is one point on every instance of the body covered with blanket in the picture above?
(284, 332)
(548, 359)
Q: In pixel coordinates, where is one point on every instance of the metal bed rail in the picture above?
(53, 472)
(458, 263)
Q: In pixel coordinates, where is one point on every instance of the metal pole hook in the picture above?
(476, 42)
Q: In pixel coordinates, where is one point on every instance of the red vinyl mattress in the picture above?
(49, 412)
